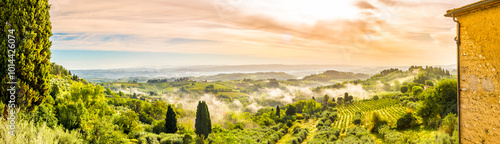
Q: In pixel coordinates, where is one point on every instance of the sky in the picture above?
(108, 34)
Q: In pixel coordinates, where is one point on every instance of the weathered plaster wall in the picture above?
(479, 69)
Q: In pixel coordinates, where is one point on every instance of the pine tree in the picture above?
(278, 111)
(28, 24)
(170, 121)
(203, 123)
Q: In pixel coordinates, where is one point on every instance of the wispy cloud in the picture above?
(361, 32)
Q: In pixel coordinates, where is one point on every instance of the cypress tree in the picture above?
(203, 123)
(290, 110)
(170, 121)
(28, 24)
(278, 111)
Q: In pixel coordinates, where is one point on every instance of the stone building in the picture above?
(478, 44)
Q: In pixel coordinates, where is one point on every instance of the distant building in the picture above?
(478, 41)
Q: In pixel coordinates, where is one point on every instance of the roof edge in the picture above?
(469, 7)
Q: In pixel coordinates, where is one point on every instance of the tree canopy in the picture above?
(28, 24)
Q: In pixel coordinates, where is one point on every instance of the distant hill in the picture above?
(335, 75)
(129, 79)
(241, 76)
(199, 71)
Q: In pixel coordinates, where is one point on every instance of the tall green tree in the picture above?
(170, 121)
(278, 111)
(203, 123)
(290, 110)
(28, 24)
(439, 101)
(325, 99)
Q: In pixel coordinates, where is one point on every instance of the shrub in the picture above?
(300, 116)
(357, 118)
(390, 135)
(177, 142)
(289, 123)
(404, 89)
(43, 113)
(187, 139)
(71, 115)
(407, 121)
(416, 90)
(29, 132)
(159, 126)
(357, 135)
(376, 121)
(443, 138)
(449, 123)
(294, 141)
(319, 125)
(429, 83)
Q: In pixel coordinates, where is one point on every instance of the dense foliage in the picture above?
(28, 26)
(117, 113)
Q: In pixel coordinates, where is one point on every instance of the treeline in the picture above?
(182, 79)
(335, 75)
(58, 70)
(389, 79)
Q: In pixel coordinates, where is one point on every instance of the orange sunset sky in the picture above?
(101, 34)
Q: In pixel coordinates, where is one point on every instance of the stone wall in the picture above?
(479, 69)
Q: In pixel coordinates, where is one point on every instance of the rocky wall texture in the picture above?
(480, 76)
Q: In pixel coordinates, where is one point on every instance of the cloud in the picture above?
(388, 2)
(401, 32)
(364, 5)
(443, 38)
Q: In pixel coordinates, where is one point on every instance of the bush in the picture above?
(294, 141)
(376, 121)
(43, 113)
(390, 135)
(29, 132)
(416, 90)
(71, 115)
(320, 124)
(177, 142)
(299, 134)
(429, 83)
(187, 139)
(407, 121)
(300, 116)
(443, 138)
(449, 123)
(327, 135)
(289, 123)
(404, 89)
(357, 118)
(357, 135)
(159, 126)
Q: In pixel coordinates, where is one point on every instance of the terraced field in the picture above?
(389, 109)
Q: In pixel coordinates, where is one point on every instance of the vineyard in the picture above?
(389, 109)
